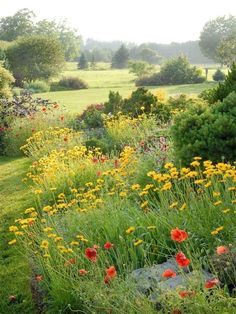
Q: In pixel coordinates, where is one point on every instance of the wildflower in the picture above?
(38, 278)
(183, 207)
(173, 205)
(211, 283)
(197, 158)
(226, 211)
(151, 227)
(144, 204)
(222, 249)
(91, 254)
(74, 243)
(195, 163)
(168, 165)
(184, 293)
(217, 230)
(70, 262)
(83, 272)
(135, 187)
(182, 260)
(215, 194)
(13, 228)
(178, 235)
(138, 242)
(108, 245)
(217, 203)
(44, 244)
(110, 273)
(130, 230)
(12, 242)
(37, 192)
(169, 273)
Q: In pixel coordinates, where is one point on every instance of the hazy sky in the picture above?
(161, 21)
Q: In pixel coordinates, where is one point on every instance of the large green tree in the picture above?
(214, 33)
(20, 24)
(35, 57)
(120, 58)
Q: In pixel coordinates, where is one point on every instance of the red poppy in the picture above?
(184, 293)
(182, 260)
(91, 254)
(178, 235)
(107, 279)
(222, 249)
(111, 272)
(70, 262)
(62, 118)
(103, 159)
(211, 283)
(108, 245)
(99, 173)
(83, 272)
(38, 278)
(94, 160)
(169, 273)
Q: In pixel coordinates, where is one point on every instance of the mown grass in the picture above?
(14, 269)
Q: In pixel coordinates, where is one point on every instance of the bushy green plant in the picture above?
(173, 72)
(91, 117)
(206, 131)
(37, 87)
(6, 79)
(70, 83)
(218, 76)
(114, 103)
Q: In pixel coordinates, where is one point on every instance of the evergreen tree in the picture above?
(120, 58)
(83, 62)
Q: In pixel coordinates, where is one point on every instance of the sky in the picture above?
(137, 21)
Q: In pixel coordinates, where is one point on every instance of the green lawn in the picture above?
(76, 101)
(14, 269)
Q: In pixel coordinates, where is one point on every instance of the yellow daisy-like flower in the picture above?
(44, 244)
(130, 230)
(183, 207)
(12, 242)
(135, 187)
(138, 242)
(217, 203)
(173, 205)
(225, 211)
(195, 163)
(13, 228)
(74, 243)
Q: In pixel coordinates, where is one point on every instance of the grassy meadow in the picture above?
(103, 80)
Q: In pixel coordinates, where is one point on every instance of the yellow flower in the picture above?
(144, 204)
(46, 255)
(74, 243)
(225, 211)
(197, 158)
(12, 242)
(166, 186)
(58, 239)
(47, 208)
(168, 165)
(173, 205)
(37, 192)
(135, 187)
(138, 242)
(44, 244)
(47, 229)
(232, 188)
(19, 233)
(208, 184)
(130, 230)
(217, 203)
(151, 227)
(200, 181)
(183, 207)
(195, 163)
(29, 210)
(123, 194)
(215, 194)
(13, 228)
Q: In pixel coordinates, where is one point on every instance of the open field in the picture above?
(101, 82)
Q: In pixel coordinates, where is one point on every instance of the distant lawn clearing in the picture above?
(78, 100)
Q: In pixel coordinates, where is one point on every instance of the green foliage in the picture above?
(6, 79)
(20, 24)
(214, 33)
(210, 131)
(114, 103)
(83, 62)
(120, 58)
(35, 57)
(140, 68)
(92, 117)
(218, 76)
(173, 72)
(37, 87)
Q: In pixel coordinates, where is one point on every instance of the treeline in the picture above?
(149, 52)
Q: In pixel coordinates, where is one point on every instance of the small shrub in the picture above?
(205, 131)
(37, 87)
(71, 83)
(6, 79)
(114, 103)
(218, 76)
(91, 117)
(173, 72)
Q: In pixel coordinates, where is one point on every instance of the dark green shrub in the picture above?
(173, 72)
(114, 103)
(91, 117)
(218, 76)
(208, 132)
(71, 83)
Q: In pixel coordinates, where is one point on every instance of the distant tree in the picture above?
(83, 62)
(93, 62)
(218, 76)
(227, 50)
(20, 24)
(120, 58)
(149, 55)
(35, 57)
(141, 68)
(68, 37)
(214, 33)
